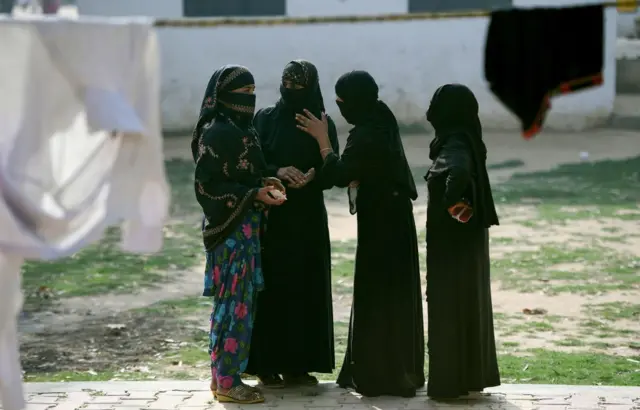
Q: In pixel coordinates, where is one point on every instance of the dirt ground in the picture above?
(76, 327)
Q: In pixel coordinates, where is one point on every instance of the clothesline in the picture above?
(281, 21)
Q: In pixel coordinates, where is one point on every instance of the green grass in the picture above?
(569, 342)
(179, 307)
(103, 267)
(604, 330)
(546, 367)
(601, 270)
(347, 247)
(573, 192)
(530, 328)
(605, 186)
(190, 361)
(615, 310)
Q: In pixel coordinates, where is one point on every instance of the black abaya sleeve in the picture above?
(321, 176)
(261, 124)
(357, 160)
(455, 154)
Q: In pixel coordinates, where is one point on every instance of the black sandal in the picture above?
(304, 379)
(271, 381)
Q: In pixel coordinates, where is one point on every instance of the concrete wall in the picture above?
(117, 8)
(627, 24)
(345, 7)
(408, 59)
(628, 66)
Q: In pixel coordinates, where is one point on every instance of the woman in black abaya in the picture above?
(385, 352)
(461, 343)
(293, 333)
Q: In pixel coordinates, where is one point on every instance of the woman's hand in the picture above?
(292, 175)
(308, 177)
(269, 195)
(317, 128)
(461, 211)
(274, 182)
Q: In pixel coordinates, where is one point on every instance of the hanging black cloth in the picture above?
(534, 54)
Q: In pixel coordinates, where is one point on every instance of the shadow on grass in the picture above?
(609, 183)
(103, 267)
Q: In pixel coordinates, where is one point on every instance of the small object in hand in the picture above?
(461, 211)
(275, 194)
(352, 191)
(309, 174)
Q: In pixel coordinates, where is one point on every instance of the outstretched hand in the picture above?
(318, 128)
(308, 177)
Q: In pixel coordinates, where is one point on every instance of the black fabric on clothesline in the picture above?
(532, 55)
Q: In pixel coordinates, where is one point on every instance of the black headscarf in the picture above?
(372, 118)
(219, 100)
(359, 94)
(453, 112)
(304, 74)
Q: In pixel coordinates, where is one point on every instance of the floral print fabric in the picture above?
(233, 277)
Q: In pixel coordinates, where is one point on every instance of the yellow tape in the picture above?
(624, 6)
(621, 5)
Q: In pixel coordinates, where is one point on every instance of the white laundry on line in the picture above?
(80, 149)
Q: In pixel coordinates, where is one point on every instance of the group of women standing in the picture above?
(260, 179)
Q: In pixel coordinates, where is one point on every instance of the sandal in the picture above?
(240, 394)
(214, 389)
(304, 379)
(272, 381)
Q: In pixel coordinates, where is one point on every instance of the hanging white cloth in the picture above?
(80, 149)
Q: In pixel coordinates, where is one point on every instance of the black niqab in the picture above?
(282, 142)
(305, 91)
(454, 111)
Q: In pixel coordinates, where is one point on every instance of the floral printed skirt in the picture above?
(233, 277)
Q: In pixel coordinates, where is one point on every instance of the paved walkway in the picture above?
(180, 395)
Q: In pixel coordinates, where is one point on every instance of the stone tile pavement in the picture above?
(182, 395)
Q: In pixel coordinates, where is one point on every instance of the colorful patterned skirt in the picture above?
(233, 277)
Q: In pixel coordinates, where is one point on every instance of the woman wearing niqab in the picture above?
(293, 333)
(385, 351)
(461, 343)
(231, 189)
